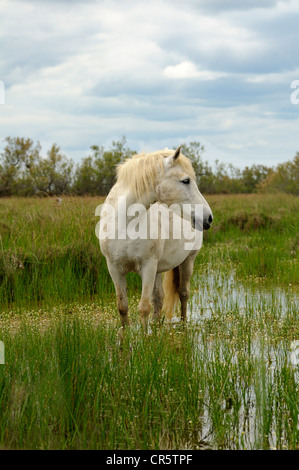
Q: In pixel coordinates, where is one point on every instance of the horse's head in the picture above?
(178, 186)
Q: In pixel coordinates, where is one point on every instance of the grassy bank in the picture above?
(258, 235)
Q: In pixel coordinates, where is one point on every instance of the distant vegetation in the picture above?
(24, 171)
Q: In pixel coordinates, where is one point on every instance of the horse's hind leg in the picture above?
(186, 269)
(120, 284)
(158, 296)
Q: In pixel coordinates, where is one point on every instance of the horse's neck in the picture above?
(130, 198)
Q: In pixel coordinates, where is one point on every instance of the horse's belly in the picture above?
(174, 254)
(131, 255)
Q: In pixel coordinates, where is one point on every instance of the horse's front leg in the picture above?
(120, 284)
(148, 275)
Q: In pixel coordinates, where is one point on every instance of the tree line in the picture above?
(24, 171)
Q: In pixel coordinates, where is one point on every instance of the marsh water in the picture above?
(246, 320)
(219, 291)
(245, 335)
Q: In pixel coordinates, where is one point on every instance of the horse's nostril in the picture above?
(210, 219)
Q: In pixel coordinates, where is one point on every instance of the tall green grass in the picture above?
(258, 235)
(73, 387)
(222, 383)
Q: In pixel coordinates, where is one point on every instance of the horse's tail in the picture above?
(171, 283)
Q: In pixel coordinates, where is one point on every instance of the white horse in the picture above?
(162, 184)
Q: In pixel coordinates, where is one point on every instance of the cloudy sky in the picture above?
(159, 72)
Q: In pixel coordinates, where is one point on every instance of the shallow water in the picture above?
(223, 296)
(217, 291)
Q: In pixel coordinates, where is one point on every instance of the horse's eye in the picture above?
(186, 181)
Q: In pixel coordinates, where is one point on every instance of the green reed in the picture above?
(223, 381)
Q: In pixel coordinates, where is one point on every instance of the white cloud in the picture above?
(187, 69)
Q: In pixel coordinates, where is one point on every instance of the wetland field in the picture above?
(226, 379)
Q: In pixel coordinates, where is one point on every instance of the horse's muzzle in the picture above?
(196, 224)
(201, 226)
(207, 225)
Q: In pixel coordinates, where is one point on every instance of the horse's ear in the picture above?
(169, 161)
(176, 154)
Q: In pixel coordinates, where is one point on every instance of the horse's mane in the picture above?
(139, 172)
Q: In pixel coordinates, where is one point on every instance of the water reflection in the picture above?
(221, 291)
(222, 303)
